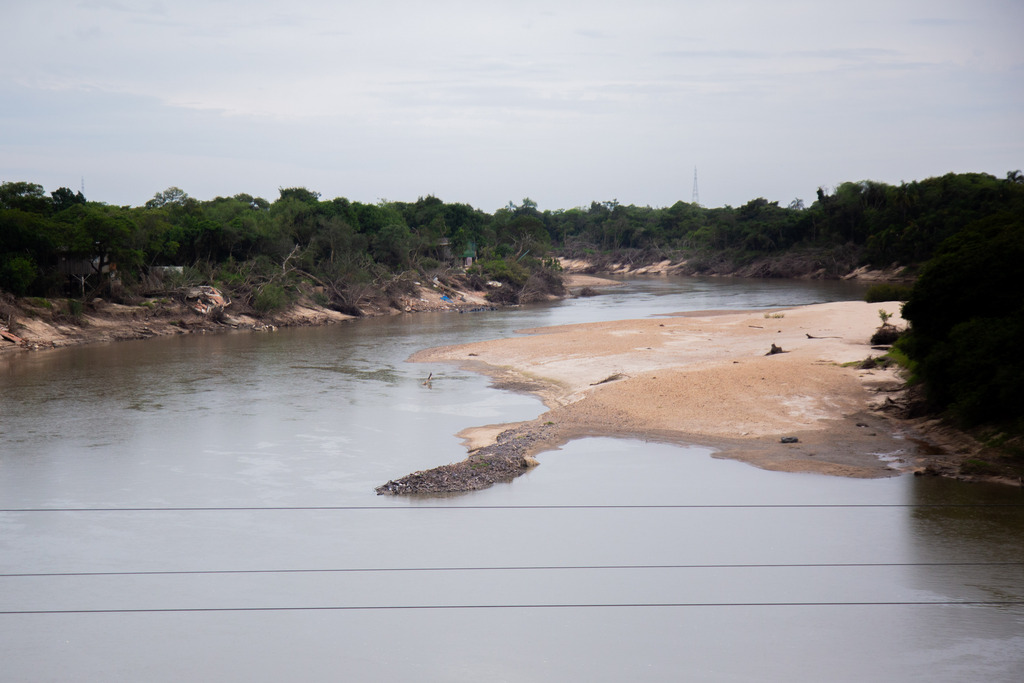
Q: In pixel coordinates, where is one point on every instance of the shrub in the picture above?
(872, 362)
(476, 280)
(272, 297)
(887, 291)
(886, 335)
(505, 296)
(553, 264)
(17, 274)
(541, 284)
(503, 270)
(75, 313)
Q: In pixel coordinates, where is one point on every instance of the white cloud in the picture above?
(562, 101)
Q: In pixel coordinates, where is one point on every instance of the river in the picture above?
(202, 508)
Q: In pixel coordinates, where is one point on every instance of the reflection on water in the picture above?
(311, 420)
(387, 375)
(988, 527)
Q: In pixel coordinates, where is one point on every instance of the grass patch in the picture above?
(901, 359)
(40, 302)
(894, 357)
(979, 467)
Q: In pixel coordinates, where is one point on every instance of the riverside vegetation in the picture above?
(959, 238)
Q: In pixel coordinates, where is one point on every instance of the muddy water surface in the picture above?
(202, 508)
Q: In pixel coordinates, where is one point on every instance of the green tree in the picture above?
(172, 196)
(967, 322)
(392, 245)
(24, 196)
(64, 198)
(299, 194)
(100, 234)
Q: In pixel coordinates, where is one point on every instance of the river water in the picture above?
(202, 508)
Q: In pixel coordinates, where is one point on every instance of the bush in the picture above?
(505, 296)
(75, 313)
(886, 335)
(476, 280)
(872, 362)
(17, 274)
(272, 297)
(541, 284)
(503, 270)
(887, 291)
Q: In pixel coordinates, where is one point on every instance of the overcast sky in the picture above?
(483, 102)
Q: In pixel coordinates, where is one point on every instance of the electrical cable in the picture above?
(353, 608)
(511, 568)
(332, 508)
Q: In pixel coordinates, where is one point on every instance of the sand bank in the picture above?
(705, 378)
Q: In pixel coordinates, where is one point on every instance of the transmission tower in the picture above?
(696, 194)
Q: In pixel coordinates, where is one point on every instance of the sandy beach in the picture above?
(705, 378)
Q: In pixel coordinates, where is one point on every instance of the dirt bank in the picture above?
(789, 265)
(36, 323)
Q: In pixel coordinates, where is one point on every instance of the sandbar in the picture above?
(706, 378)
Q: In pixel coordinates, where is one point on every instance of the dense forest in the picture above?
(964, 234)
(243, 242)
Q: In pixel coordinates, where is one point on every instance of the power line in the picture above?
(511, 568)
(328, 508)
(614, 605)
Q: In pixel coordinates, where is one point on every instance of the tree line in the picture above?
(347, 243)
(231, 240)
(964, 231)
(878, 224)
